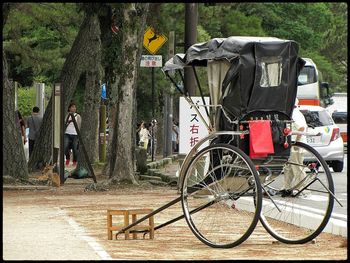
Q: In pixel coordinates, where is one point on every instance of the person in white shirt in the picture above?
(71, 135)
(175, 137)
(295, 172)
(144, 136)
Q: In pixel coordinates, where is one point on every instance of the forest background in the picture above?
(38, 37)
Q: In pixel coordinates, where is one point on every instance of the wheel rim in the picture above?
(229, 215)
(302, 215)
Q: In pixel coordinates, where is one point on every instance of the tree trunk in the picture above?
(14, 160)
(80, 57)
(122, 164)
(92, 97)
(90, 118)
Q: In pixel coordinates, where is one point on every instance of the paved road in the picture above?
(340, 184)
(338, 221)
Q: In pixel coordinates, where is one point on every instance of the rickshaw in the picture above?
(228, 182)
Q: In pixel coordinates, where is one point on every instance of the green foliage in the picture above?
(202, 34)
(26, 98)
(233, 23)
(319, 28)
(37, 37)
(25, 101)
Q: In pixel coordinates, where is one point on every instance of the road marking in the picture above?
(317, 198)
(82, 235)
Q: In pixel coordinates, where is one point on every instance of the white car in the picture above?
(330, 144)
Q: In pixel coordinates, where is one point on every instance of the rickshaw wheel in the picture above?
(218, 192)
(299, 214)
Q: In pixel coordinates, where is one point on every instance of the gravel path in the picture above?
(68, 223)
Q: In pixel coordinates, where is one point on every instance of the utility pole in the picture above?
(168, 116)
(191, 21)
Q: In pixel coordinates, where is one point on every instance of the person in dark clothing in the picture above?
(34, 123)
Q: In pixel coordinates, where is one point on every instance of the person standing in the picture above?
(175, 137)
(294, 172)
(71, 135)
(144, 135)
(33, 123)
(152, 148)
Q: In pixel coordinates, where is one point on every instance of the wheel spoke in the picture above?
(225, 176)
(307, 196)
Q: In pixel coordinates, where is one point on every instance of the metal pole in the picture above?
(152, 132)
(168, 120)
(170, 103)
(153, 92)
(56, 93)
(191, 20)
(152, 141)
(165, 121)
(170, 125)
(62, 129)
(102, 133)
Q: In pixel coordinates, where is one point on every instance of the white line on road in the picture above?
(82, 235)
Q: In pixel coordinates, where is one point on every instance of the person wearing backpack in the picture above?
(33, 123)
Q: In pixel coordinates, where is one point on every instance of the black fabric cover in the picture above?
(241, 92)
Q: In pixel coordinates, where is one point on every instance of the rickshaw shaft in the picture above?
(168, 222)
(149, 215)
(182, 216)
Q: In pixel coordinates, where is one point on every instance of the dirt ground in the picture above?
(174, 242)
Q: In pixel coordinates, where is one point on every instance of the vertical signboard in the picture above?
(57, 115)
(192, 128)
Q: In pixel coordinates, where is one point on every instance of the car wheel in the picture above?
(337, 166)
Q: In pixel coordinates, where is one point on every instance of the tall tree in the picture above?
(90, 115)
(14, 162)
(336, 44)
(122, 163)
(91, 99)
(82, 54)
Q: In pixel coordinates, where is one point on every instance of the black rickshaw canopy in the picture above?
(261, 73)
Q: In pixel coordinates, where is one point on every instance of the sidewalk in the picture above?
(30, 234)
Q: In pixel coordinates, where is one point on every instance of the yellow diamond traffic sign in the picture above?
(153, 41)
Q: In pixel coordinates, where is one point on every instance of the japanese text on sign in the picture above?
(151, 61)
(192, 128)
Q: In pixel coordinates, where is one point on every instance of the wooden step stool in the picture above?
(126, 214)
